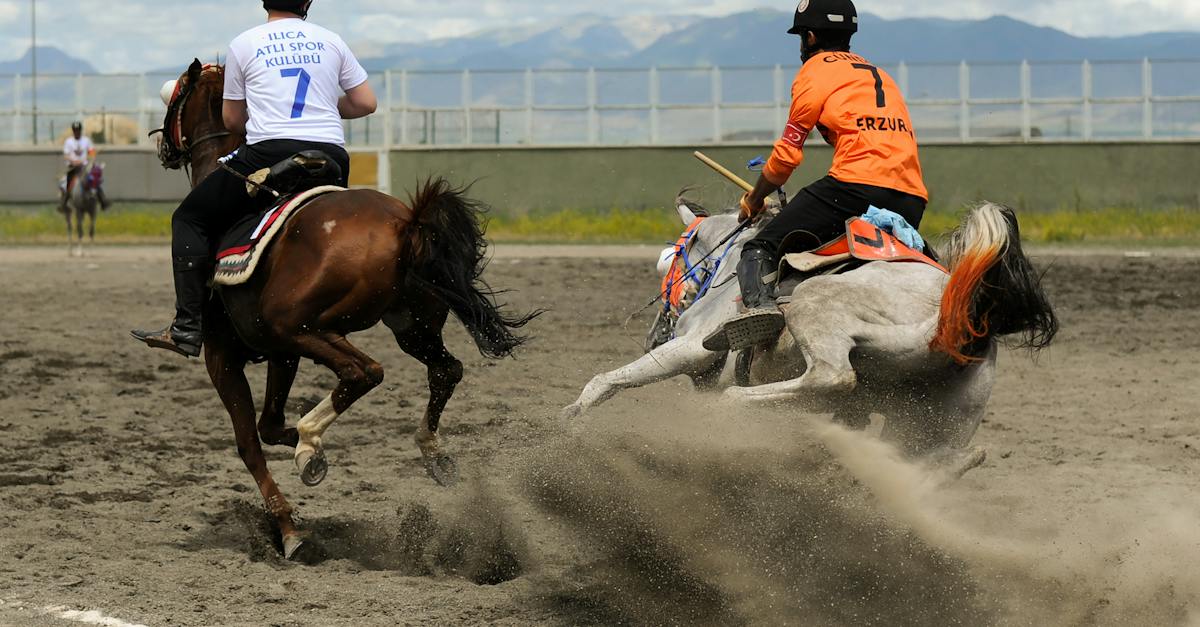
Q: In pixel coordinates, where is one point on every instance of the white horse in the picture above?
(902, 340)
(83, 200)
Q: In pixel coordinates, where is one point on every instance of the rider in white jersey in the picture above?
(76, 151)
(288, 86)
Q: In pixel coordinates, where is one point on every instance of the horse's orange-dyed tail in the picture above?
(958, 325)
(993, 289)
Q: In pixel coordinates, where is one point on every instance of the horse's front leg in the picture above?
(70, 237)
(226, 367)
(281, 373)
(683, 355)
(827, 380)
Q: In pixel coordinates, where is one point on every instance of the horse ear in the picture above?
(194, 71)
(685, 213)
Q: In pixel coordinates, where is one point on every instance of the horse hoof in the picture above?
(971, 460)
(313, 467)
(291, 544)
(443, 470)
(571, 412)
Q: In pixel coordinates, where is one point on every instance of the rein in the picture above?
(727, 242)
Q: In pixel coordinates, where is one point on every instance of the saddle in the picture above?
(298, 173)
(298, 180)
(863, 243)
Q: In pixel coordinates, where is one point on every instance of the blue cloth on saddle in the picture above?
(895, 224)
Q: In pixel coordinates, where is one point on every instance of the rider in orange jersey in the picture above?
(860, 111)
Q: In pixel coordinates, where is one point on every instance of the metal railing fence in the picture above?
(950, 103)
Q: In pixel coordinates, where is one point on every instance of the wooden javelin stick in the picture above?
(723, 171)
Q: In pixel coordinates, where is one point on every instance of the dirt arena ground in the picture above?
(123, 500)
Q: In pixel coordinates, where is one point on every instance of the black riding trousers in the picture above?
(822, 209)
(220, 200)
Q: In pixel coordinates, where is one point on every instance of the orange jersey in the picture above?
(860, 111)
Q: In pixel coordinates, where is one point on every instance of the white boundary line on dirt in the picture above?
(87, 617)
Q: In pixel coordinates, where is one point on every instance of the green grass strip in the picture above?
(146, 223)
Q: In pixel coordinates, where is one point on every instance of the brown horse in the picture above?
(345, 262)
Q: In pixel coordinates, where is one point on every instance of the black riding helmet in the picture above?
(299, 7)
(825, 15)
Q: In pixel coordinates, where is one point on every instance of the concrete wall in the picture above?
(1032, 177)
(30, 176)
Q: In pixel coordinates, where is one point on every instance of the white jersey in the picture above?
(291, 74)
(76, 150)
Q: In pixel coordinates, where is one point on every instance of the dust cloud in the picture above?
(757, 520)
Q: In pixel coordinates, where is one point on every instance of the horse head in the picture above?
(194, 120)
(705, 257)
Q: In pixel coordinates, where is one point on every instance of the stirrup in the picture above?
(166, 340)
(748, 330)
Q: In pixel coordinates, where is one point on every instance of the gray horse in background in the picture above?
(83, 200)
(902, 340)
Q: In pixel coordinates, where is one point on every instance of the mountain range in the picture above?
(759, 38)
(752, 38)
(50, 61)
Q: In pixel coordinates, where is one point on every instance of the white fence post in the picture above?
(654, 86)
(593, 114)
(715, 79)
(79, 96)
(964, 96)
(143, 115)
(16, 130)
(780, 116)
(1147, 100)
(468, 138)
(1088, 89)
(405, 139)
(529, 100)
(1026, 105)
(389, 108)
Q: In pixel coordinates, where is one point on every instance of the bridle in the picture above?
(701, 275)
(175, 150)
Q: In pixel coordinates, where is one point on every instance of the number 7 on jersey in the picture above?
(301, 88)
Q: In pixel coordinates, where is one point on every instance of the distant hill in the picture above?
(579, 41)
(758, 38)
(50, 61)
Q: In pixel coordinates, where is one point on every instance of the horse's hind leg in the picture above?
(92, 226)
(281, 373)
(226, 367)
(357, 374)
(423, 340)
(828, 379)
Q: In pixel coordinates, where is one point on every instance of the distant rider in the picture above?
(860, 111)
(77, 150)
(288, 86)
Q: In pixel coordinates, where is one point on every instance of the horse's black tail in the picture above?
(447, 254)
(994, 290)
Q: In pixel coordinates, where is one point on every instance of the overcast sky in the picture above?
(130, 35)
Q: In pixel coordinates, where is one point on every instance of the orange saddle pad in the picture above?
(867, 242)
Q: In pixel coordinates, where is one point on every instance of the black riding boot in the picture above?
(760, 320)
(185, 335)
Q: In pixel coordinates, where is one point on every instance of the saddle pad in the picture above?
(867, 242)
(245, 244)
